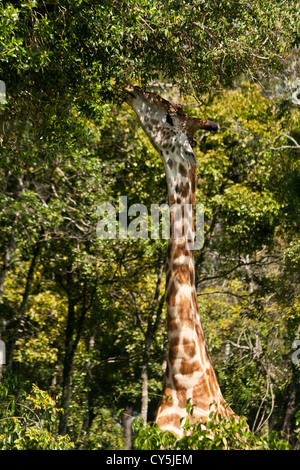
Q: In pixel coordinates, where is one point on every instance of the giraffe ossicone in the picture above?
(189, 375)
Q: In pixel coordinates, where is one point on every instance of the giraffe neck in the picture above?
(189, 374)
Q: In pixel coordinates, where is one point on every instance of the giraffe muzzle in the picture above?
(192, 125)
(211, 126)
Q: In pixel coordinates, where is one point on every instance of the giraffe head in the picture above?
(169, 129)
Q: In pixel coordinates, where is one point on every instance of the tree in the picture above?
(201, 45)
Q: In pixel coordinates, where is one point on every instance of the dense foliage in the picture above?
(83, 318)
(28, 421)
(216, 434)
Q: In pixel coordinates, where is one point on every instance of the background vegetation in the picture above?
(83, 319)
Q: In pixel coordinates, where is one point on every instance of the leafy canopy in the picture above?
(88, 50)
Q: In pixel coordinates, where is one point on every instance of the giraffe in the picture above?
(189, 374)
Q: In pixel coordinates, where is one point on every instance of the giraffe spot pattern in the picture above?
(179, 250)
(189, 367)
(189, 347)
(185, 313)
(170, 163)
(182, 398)
(182, 170)
(172, 323)
(181, 273)
(169, 419)
(174, 346)
(171, 294)
(183, 189)
(189, 371)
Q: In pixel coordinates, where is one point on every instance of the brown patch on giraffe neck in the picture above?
(174, 342)
(183, 189)
(169, 252)
(170, 163)
(185, 313)
(174, 347)
(182, 170)
(180, 249)
(192, 278)
(171, 294)
(189, 347)
(172, 201)
(181, 273)
(182, 398)
(172, 324)
(169, 393)
(172, 419)
(194, 300)
(193, 180)
(189, 367)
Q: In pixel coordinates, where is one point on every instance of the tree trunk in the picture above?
(89, 413)
(126, 422)
(291, 403)
(70, 348)
(6, 260)
(68, 362)
(21, 312)
(144, 407)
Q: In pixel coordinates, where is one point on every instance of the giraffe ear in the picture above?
(187, 152)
